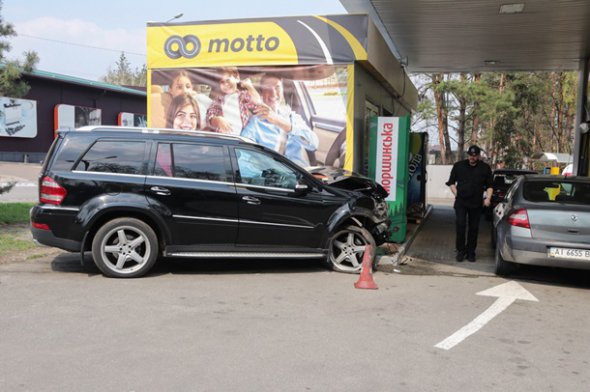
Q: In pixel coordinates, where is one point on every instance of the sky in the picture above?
(82, 38)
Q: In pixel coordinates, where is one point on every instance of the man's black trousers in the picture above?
(467, 218)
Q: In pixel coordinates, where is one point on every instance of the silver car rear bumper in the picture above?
(541, 259)
(533, 252)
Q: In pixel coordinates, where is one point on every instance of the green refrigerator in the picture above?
(388, 165)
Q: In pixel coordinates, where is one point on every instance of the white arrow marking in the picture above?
(506, 293)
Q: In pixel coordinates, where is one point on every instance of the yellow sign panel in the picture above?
(182, 46)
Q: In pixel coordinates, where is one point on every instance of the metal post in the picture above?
(581, 98)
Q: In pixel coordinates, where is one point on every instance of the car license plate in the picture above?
(569, 253)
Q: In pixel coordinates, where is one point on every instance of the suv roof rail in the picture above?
(90, 128)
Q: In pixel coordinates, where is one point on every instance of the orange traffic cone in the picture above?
(366, 279)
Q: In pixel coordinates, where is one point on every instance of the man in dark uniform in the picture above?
(468, 180)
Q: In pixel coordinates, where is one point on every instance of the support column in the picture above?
(582, 139)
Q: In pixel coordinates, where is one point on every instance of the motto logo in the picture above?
(188, 46)
(250, 43)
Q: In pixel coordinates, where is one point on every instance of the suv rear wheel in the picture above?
(347, 248)
(125, 248)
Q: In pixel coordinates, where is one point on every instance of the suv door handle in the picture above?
(160, 191)
(251, 200)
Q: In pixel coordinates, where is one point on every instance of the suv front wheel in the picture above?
(347, 248)
(125, 248)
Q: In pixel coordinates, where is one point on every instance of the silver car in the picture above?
(543, 220)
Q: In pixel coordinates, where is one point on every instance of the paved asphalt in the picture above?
(24, 176)
(436, 243)
(288, 326)
(291, 326)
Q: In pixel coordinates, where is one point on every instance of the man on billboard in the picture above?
(276, 126)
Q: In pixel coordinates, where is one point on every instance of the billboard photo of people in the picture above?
(298, 111)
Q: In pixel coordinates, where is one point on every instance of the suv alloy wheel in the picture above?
(125, 248)
(347, 248)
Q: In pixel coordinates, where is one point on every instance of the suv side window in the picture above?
(67, 153)
(257, 168)
(163, 166)
(120, 156)
(198, 161)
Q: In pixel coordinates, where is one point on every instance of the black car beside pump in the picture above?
(132, 195)
(502, 179)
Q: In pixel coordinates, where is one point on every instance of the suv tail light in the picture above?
(519, 218)
(40, 226)
(51, 192)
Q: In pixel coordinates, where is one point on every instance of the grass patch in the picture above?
(10, 244)
(14, 212)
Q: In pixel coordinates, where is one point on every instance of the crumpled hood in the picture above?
(347, 180)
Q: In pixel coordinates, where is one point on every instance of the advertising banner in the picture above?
(388, 165)
(18, 117)
(299, 111)
(334, 39)
(387, 138)
(70, 116)
(286, 82)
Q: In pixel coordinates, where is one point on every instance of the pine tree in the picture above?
(11, 84)
(124, 75)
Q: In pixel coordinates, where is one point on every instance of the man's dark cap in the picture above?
(474, 150)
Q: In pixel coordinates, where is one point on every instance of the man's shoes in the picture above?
(471, 258)
(460, 256)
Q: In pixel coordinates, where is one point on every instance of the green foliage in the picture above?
(515, 115)
(124, 75)
(14, 212)
(8, 244)
(10, 83)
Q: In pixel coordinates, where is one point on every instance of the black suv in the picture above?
(132, 195)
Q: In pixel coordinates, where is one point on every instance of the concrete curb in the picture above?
(388, 263)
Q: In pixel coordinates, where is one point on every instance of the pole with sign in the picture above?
(388, 165)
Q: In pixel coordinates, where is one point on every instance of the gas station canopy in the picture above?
(482, 35)
(452, 36)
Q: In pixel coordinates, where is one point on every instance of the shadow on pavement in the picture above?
(553, 276)
(71, 263)
(237, 266)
